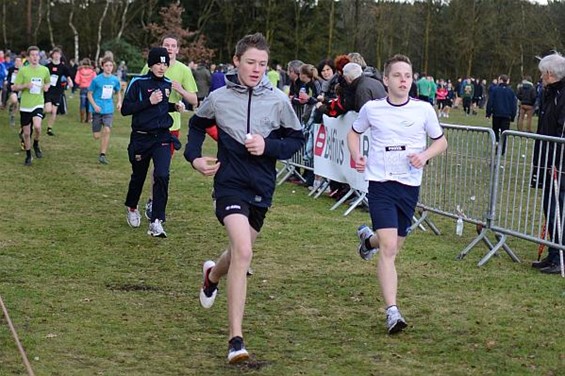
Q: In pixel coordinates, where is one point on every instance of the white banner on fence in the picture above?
(332, 159)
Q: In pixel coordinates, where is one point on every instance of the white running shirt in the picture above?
(396, 132)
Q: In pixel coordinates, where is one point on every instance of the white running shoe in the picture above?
(236, 351)
(133, 217)
(156, 229)
(209, 290)
(394, 320)
(364, 233)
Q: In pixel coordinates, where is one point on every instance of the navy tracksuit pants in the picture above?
(144, 147)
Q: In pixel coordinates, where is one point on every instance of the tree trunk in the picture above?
(427, 34)
(74, 30)
(49, 26)
(123, 20)
(331, 30)
(269, 24)
(99, 40)
(4, 34)
(29, 22)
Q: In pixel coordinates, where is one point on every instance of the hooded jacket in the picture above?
(238, 110)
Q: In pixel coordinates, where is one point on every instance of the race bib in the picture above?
(37, 85)
(107, 91)
(396, 160)
(54, 78)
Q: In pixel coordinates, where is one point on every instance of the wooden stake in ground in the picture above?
(15, 335)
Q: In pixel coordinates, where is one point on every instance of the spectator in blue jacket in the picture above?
(502, 105)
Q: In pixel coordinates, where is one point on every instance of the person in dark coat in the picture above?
(502, 106)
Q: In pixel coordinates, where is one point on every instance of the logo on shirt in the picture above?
(407, 124)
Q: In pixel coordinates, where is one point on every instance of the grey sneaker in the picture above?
(394, 320)
(102, 159)
(236, 351)
(364, 233)
(133, 218)
(148, 209)
(156, 229)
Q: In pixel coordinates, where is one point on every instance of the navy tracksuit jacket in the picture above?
(150, 140)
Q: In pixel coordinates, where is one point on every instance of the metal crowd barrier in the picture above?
(490, 185)
(458, 184)
(292, 166)
(529, 189)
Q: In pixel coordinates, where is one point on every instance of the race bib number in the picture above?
(53, 79)
(37, 85)
(107, 91)
(396, 160)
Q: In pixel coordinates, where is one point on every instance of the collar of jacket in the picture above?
(232, 82)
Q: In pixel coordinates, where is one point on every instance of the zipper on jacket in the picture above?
(249, 111)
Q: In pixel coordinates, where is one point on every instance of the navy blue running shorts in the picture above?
(392, 205)
(234, 205)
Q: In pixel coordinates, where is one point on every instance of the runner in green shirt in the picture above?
(32, 80)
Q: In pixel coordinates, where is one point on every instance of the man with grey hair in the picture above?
(364, 87)
(293, 71)
(551, 123)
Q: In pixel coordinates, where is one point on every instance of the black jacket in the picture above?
(146, 116)
(551, 122)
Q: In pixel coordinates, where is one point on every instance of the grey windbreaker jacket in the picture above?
(238, 110)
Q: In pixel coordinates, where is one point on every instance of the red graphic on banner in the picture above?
(320, 143)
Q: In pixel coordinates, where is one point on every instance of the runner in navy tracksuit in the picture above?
(147, 100)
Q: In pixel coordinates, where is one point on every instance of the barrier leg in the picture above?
(418, 222)
(432, 225)
(475, 241)
(508, 250)
(290, 170)
(343, 199)
(494, 249)
(325, 184)
(355, 203)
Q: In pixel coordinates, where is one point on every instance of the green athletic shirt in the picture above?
(182, 74)
(32, 99)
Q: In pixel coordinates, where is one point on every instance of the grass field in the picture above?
(88, 295)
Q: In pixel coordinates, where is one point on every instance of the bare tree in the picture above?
(49, 26)
(29, 21)
(4, 34)
(74, 29)
(331, 29)
(123, 18)
(100, 22)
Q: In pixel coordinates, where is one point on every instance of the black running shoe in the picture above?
(28, 161)
(37, 151)
(50, 132)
